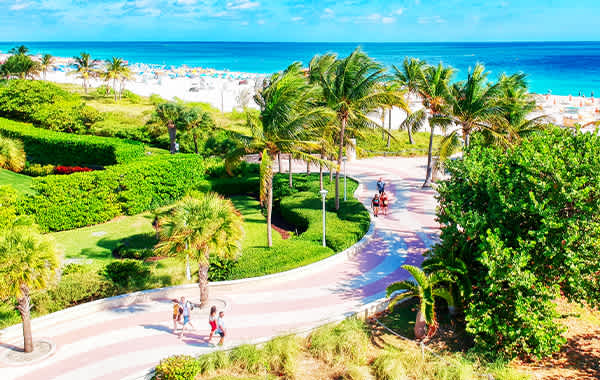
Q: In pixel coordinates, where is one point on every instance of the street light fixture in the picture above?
(324, 195)
(345, 159)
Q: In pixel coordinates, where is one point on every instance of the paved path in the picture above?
(116, 343)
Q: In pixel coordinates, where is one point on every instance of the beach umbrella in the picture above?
(570, 97)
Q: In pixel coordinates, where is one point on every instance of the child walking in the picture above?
(375, 204)
(212, 321)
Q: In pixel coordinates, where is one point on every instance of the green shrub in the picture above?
(220, 268)
(282, 355)
(214, 361)
(248, 358)
(49, 147)
(347, 342)
(61, 116)
(75, 287)
(37, 170)
(156, 99)
(128, 274)
(132, 97)
(20, 99)
(179, 367)
(354, 372)
(81, 199)
(123, 252)
(524, 222)
(8, 204)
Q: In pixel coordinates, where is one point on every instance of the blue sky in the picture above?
(297, 20)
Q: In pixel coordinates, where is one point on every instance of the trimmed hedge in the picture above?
(48, 147)
(70, 201)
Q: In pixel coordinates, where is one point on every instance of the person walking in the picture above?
(187, 308)
(384, 203)
(177, 310)
(375, 204)
(221, 329)
(380, 185)
(212, 321)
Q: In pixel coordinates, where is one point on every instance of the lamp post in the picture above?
(324, 195)
(345, 159)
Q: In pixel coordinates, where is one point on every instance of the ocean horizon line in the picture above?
(307, 42)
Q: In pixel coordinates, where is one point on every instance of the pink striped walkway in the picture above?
(118, 343)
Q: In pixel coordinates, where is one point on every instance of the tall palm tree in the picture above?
(169, 114)
(425, 288)
(46, 64)
(86, 68)
(410, 77)
(435, 94)
(194, 121)
(113, 72)
(28, 262)
(288, 122)
(351, 88)
(474, 103)
(200, 225)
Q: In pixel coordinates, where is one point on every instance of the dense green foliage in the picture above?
(81, 199)
(180, 367)
(520, 227)
(48, 147)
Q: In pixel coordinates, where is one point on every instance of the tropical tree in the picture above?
(474, 104)
(352, 89)
(28, 262)
(19, 65)
(288, 121)
(413, 123)
(194, 121)
(86, 68)
(410, 77)
(435, 94)
(169, 115)
(12, 155)
(425, 288)
(116, 71)
(196, 227)
(46, 64)
(19, 50)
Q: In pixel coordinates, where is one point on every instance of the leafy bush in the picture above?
(37, 170)
(77, 285)
(248, 358)
(123, 252)
(179, 367)
(62, 116)
(524, 225)
(127, 274)
(214, 361)
(48, 147)
(8, 203)
(12, 155)
(20, 99)
(81, 199)
(220, 268)
(156, 99)
(282, 355)
(132, 97)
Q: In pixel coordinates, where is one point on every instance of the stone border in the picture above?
(13, 333)
(4, 354)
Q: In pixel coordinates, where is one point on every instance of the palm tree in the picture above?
(288, 121)
(435, 94)
(169, 114)
(115, 69)
(19, 50)
(425, 288)
(46, 64)
(194, 121)
(413, 123)
(351, 88)
(28, 261)
(474, 103)
(200, 225)
(410, 77)
(86, 68)
(12, 155)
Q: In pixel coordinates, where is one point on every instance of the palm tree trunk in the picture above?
(279, 161)
(467, 136)
(85, 86)
(115, 88)
(427, 182)
(290, 169)
(203, 279)
(172, 136)
(24, 308)
(339, 165)
(331, 170)
(307, 167)
(195, 143)
(410, 136)
(321, 173)
(270, 213)
(389, 128)
(420, 326)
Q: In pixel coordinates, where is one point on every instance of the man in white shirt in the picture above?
(221, 330)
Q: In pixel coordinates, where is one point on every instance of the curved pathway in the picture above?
(120, 342)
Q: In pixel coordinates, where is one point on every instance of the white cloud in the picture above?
(260, 22)
(328, 13)
(388, 20)
(242, 4)
(399, 11)
(297, 19)
(152, 12)
(373, 17)
(19, 5)
(431, 20)
(186, 2)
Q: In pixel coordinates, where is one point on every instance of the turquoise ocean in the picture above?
(561, 67)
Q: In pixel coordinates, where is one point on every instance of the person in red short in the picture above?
(212, 321)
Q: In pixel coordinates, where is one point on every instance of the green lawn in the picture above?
(399, 146)
(20, 182)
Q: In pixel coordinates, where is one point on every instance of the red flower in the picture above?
(70, 169)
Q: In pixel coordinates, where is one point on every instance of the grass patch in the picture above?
(19, 182)
(372, 141)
